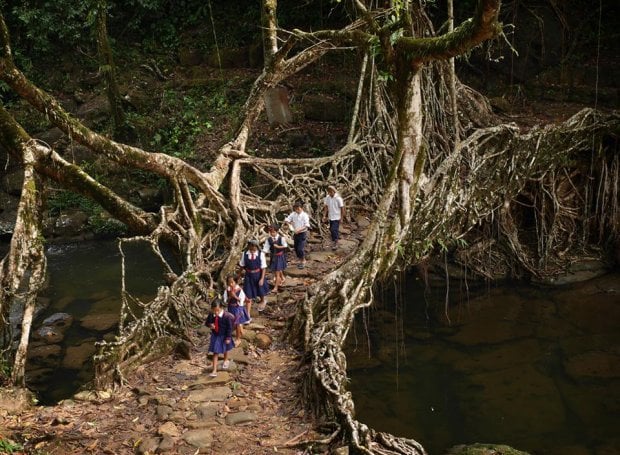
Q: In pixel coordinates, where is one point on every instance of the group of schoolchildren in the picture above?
(233, 312)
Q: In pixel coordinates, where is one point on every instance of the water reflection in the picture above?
(538, 369)
(85, 282)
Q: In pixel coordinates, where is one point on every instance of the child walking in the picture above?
(221, 324)
(333, 210)
(300, 223)
(235, 298)
(276, 246)
(255, 284)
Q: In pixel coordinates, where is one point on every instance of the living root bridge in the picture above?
(500, 162)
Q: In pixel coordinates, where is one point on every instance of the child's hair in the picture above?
(216, 303)
(231, 277)
(298, 203)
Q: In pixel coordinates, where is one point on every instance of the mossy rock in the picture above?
(484, 449)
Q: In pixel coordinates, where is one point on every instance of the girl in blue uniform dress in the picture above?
(255, 283)
(235, 299)
(221, 324)
(276, 246)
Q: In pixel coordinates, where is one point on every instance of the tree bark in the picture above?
(108, 68)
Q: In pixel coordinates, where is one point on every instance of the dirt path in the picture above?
(171, 405)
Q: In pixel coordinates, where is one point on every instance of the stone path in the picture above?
(172, 406)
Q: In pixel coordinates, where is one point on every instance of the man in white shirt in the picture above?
(300, 223)
(334, 211)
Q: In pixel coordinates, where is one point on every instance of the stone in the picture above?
(277, 106)
(76, 356)
(166, 445)
(45, 355)
(484, 449)
(51, 335)
(169, 429)
(238, 356)
(211, 394)
(199, 438)
(593, 364)
(163, 412)
(59, 320)
(15, 400)
(207, 410)
(99, 322)
(206, 423)
(239, 418)
(341, 451)
(148, 445)
(70, 223)
(222, 378)
(39, 375)
(263, 340)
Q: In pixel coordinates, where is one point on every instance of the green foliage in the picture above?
(63, 200)
(98, 220)
(40, 24)
(8, 446)
(186, 122)
(5, 371)
(107, 227)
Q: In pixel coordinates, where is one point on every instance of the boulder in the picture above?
(47, 355)
(15, 400)
(58, 320)
(201, 438)
(70, 223)
(263, 340)
(50, 335)
(77, 356)
(100, 322)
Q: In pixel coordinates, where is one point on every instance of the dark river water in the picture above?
(534, 368)
(85, 282)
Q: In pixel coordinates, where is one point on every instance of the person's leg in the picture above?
(302, 247)
(332, 230)
(214, 372)
(248, 303)
(297, 243)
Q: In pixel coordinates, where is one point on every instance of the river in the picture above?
(85, 282)
(536, 368)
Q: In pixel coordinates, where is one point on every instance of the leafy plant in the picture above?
(64, 200)
(8, 446)
(186, 123)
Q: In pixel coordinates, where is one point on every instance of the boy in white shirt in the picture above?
(334, 211)
(300, 223)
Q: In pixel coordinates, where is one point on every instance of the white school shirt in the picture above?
(241, 295)
(263, 261)
(267, 247)
(334, 206)
(298, 220)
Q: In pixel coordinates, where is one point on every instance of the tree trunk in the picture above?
(108, 68)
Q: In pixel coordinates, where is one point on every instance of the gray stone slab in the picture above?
(239, 418)
(210, 394)
(200, 438)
